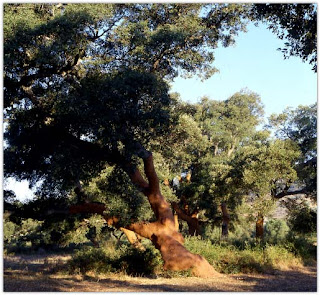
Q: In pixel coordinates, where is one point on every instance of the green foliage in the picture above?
(276, 231)
(30, 235)
(66, 64)
(302, 218)
(304, 246)
(296, 23)
(229, 123)
(124, 259)
(253, 207)
(90, 259)
(221, 128)
(300, 126)
(114, 188)
(264, 170)
(229, 259)
(9, 230)
(25, 237)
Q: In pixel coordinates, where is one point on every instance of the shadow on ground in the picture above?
(29, 276)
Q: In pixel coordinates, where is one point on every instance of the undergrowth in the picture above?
(226, 258)
(123, 259)
(229, 259)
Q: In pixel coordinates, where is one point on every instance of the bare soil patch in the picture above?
(34, 273)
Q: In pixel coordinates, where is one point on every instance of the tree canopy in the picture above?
(86, 98)
(300, 126)
(84, 81)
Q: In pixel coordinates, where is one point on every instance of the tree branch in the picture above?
(27, 80)
(182, 215)
(136, 178)
(286, 193)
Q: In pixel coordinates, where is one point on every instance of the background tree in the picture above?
(261, 170)
(300, 126)
(223, 127)
(295, 23)
(302, 218)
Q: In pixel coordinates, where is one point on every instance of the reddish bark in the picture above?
(188, 177)
(163, 232)
(192, 220)
(166, 182)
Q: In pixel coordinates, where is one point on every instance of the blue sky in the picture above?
(255, 63)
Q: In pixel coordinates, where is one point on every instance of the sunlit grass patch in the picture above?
(253, 259)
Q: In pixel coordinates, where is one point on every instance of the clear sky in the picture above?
(255, 63)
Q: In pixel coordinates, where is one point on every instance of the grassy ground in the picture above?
(38, 273)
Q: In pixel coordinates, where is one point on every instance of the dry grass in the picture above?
(37, 273)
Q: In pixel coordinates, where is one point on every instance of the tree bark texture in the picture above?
(194, 228)
(259, 227)
(163, 232)
(225, 221)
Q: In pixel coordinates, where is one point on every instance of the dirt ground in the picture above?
(25, 273)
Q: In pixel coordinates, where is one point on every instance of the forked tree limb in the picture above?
(151, 189)
(192, 220)
(136, 177)
(182, 215)
(163, 232)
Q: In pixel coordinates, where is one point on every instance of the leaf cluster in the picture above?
(296, 23)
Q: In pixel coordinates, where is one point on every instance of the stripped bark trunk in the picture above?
(162, 232)
(225, 221)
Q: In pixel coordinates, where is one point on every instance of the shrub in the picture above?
(124, 259)
(279, 257)
(135, 262)
(9, 229)
(90, 259)
(303, 246)
(23, 238)
(276, 231)
(302, 218)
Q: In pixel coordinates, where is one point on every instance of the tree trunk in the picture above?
(194, 228)
(259, 227)
(225, 221)
(163, 232)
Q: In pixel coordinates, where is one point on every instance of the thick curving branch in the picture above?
(163, 232)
